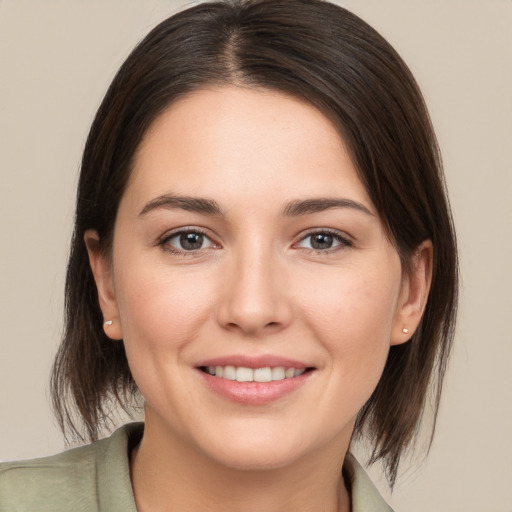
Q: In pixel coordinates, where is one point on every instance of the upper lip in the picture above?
(254, 362)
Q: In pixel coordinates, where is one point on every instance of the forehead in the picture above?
(245, 141)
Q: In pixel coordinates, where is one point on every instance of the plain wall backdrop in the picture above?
(56, 60)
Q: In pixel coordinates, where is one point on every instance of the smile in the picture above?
(245, 374)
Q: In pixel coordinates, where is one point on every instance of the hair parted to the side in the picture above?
(329, 57)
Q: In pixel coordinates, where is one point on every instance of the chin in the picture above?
(260, 447)
(254, 457)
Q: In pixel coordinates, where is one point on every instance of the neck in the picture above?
(168, 474)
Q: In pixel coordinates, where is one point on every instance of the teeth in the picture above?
(278, 373)
(262, 375)
(265, 374)
(244, 374)
(289, 373)
(229, 372)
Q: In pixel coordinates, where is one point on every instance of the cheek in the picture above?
(353, 318)
(160, 314)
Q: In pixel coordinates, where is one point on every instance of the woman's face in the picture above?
(246, 247)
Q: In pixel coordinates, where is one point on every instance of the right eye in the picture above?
(187, 241)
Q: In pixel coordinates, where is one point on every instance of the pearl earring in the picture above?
(404, 330)
(108, 323)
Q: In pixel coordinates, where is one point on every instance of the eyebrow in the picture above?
(190, 204)
(315, 205)
(210, 207)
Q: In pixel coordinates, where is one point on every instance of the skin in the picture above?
(255, 287)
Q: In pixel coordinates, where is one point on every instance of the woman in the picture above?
(263, 250)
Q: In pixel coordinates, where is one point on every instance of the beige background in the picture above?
(56, 60)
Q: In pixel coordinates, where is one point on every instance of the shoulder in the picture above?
(81, 479)
(68, 478)
(364, 495)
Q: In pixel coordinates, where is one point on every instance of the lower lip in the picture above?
(254, 393)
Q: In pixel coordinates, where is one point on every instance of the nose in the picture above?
(254, 301)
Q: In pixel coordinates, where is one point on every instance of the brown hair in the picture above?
(329, 57)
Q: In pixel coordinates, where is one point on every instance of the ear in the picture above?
(413, 294)
(102, 271)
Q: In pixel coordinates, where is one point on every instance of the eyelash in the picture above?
(343, 242)
(164, 241)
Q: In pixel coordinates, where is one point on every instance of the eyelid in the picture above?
(341, 237)
(164, 239)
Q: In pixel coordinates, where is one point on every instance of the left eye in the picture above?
(322, 241)
(188, 241)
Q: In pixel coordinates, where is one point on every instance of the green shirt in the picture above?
(96, 478)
